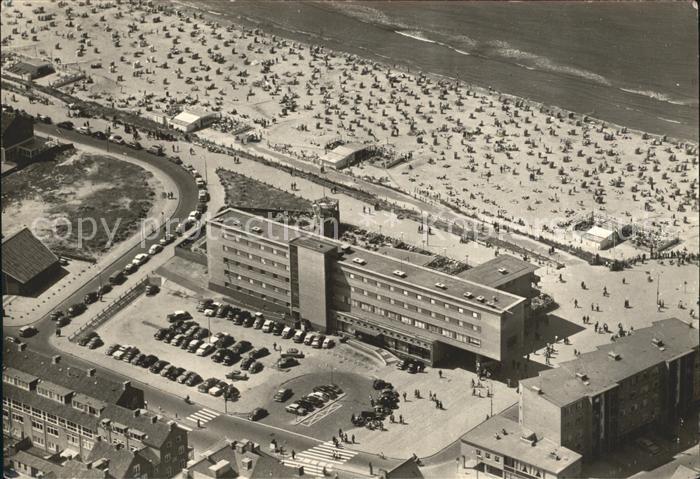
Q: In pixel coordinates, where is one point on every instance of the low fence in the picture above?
(113, 308)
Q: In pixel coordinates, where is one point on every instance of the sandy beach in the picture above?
(489, 155)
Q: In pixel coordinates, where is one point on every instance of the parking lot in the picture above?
(351, 370)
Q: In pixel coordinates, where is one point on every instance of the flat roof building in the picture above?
(189, 121)
(320, 283)
(593, 403)
(345, 155)
(501, 447)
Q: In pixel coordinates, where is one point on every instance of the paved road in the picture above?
(187, 201)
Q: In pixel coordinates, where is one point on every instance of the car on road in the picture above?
(257, 413)
(66, 125)
(140, 259)
(117, 278)
(282, 395)
(166, 240)
(91, 297)
(296, 408)
(100, 135)
(134, 144)
(130, 268)
(287, 362)
(62, 321)
(84, 130)
(44, 119)
(156, 150)
(104, 289)
(56, 315)
(293, 353)
(76, 310)
(117, 139)
(299, 337)
(155, 249)
(237, 375)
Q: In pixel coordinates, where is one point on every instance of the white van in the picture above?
(267, 327)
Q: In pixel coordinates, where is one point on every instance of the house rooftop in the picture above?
(597, 371)
(503, 435)
(24, 256)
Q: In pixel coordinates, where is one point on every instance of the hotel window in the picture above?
(488, 455)
(432, 301)
(461, 310)
(72, 439)
(379, 297)
(37, 426)
(448, 333)
(88, 444)
(474, 341)
(406, 320)
(447, 306)
(352, 276)
(52, 431)
(418, 296)
(405, 292)
(38, 440)
(476, 315)
(18, 418)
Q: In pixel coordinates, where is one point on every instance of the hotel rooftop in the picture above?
(466, 290)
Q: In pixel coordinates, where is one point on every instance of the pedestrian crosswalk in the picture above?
(317, 458)
(203, 416)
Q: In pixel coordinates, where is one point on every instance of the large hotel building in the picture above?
(320, 283)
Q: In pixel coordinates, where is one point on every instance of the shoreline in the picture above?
(403, 67)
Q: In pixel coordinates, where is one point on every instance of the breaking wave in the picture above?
(659, 97)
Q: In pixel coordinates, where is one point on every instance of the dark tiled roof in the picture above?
(64, 373)
(637, 352)
(24, 256)
(50, 406)
(263, 465)
(120, 460)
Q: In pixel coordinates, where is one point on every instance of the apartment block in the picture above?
(647, 380)
(68, 411)
(319, 283)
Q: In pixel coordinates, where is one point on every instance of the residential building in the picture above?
(28, 266)
(68, 411)
(18, 145)
(231, 459)
(501, 447)
(319, 283)
(647, 380)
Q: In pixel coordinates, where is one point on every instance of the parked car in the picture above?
(66, 125)
(230, 358)
(155, 249)
(100, 135)
(166, 240)
(282, 395)
(130, 268)
(205, 349)
(178, 316)
(296, 408)
(248, 322)
(231, 392)
(193, 380)
(277, 328)
(288, 332)
(86, 337)
(257, 413)
(134, 144)
(255, 367)
(149, 361)
(76, 309)
(104, 289)
(241, 347)
(267, 326)
(112, 349)
(237, 374)
(218, 355)
(152, 290)
(207, 384)
(299, 337)
(117, 278)
(293, 353)
(140, 259)
(167, 370)
(246, 362)
(648, 445)
(259, 353)
(287, 362)
(328, 343)
(318, 341)
(116, 139)
(95, 343)
(91, 297)
(158, 366)
(62, 321)
(309, 339)
(258, 323)
(182, 378)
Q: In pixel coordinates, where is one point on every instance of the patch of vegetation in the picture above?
(84, 189)
(246, 192)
